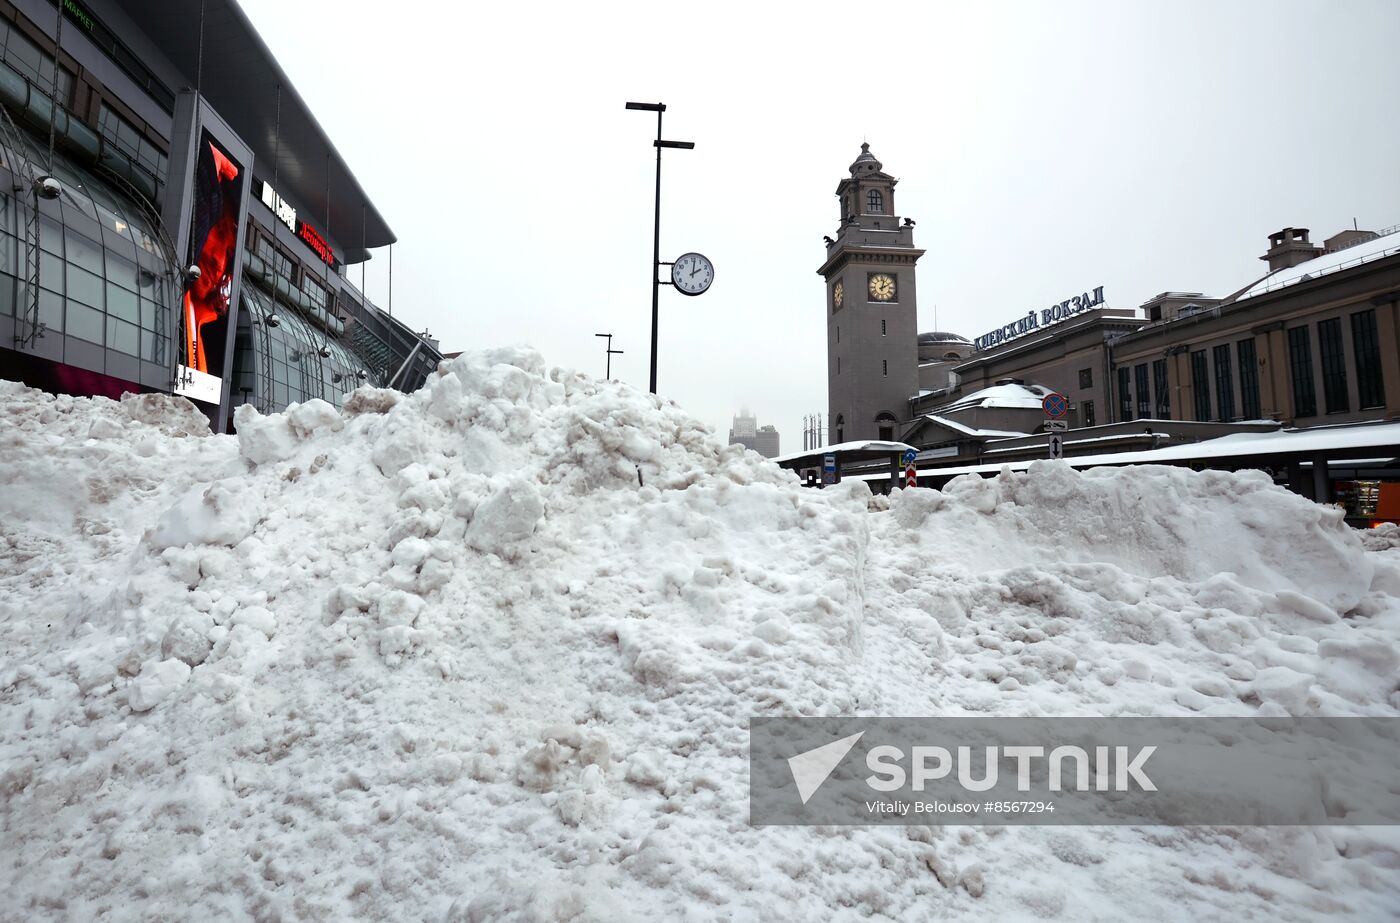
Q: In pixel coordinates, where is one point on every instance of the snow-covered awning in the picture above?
(1300, 443)
(865, 446)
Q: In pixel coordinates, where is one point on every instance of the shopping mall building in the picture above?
(174, 219)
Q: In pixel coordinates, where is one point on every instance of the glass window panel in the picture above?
(75, 197)
(148, 314)
(123, 337)
(11, 255)
(122, 271)
(84, 252)
(113, 222)
(151, 346)
(51, 311)
(51, 271)
(9, 287)
(122, 303)
(84, 286)
(51, 235)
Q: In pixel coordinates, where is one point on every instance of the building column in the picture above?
(1179, 370)
(1274, 376)
(1388, 336)
(1295, 477)
(1322, 480)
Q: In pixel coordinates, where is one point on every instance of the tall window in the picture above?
(1159, 388)
(1224, 384)
(875, 201)
(1144, 397)
(882, 326)
(1125, 398)
(1088, 411)
(1086, 379)
(885, 367)
(1200, 385)
(1370, 390)
(1301, 371)
(1334, 365)
(1249, 378)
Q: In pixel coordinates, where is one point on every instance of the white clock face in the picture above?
(692, 273)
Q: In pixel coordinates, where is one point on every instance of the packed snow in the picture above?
(488, 652)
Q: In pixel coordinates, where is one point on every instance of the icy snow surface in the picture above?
(440, 657)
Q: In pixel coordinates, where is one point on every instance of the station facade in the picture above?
(173, 218)
(1311, 342)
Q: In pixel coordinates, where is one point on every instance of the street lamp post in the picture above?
(658, 108)
(611, 352)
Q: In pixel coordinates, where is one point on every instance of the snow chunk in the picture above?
(508, 515)
(223, 513)
(156, 682)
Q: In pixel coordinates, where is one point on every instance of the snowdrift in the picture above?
(488, 651)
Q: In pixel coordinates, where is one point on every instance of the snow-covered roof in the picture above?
(1001, 396)
(1280, 442)
(864, 445)
(969, 431)
(1385, 245)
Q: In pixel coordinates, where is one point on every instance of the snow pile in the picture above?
(489, 651)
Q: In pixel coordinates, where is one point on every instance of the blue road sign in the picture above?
(909, 456)
(1055, 405)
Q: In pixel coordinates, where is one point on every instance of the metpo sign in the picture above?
(1044, 318)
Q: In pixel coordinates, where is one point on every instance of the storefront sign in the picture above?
(280, 207)
(288, 216)
(1044, 318)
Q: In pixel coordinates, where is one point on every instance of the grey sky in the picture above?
(1043, 148)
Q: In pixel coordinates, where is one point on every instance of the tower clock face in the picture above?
(838, 293)
(881, 287)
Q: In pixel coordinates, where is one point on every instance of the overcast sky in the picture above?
(1043, 149)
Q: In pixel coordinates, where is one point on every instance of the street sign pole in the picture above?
(1056, 406)
(911, 474)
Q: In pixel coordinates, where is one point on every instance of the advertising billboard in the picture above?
(218, 197)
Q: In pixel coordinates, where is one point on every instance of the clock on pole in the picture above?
(692, 273)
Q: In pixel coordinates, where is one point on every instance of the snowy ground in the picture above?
(440, 657)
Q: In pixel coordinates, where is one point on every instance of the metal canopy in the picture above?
(240, 80)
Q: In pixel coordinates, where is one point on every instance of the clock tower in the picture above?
(871, 309)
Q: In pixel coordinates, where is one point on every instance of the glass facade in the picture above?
(1300, 370)
(1224, 383)
(103, 275)
(20, 52)
(129, 139)
(1249, 378)
(1370, 389)
(292, 362)
(1334, 366)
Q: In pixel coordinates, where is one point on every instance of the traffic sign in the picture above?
(1055, 405)
(911, 476)
(1057, 426)
(909, 456)
(829, 468)
(1057, 448)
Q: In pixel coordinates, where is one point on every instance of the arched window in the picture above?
(886, 421)
(876, 202)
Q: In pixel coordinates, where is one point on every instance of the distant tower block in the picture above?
(871, 309)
